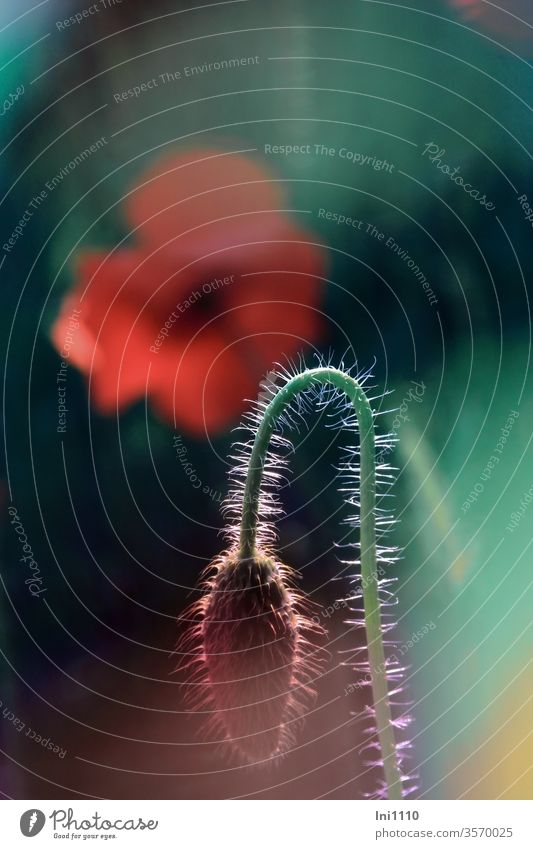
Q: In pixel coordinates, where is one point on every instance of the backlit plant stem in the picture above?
(369, 576)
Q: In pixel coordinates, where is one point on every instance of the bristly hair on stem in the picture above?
(251, 508)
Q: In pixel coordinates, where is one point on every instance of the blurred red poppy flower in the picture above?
(220, 283)
(510, 18)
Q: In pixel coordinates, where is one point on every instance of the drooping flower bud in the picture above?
(258, 663)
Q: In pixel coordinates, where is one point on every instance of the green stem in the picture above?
(369, 577)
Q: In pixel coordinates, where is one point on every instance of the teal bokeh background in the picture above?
(380, 79)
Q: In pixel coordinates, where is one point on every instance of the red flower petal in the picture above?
(185, 191)
(225, 300)
(203, 385)
(130, 276)
(511, 19)
(278, 304)
(120, 373)
(77, 344)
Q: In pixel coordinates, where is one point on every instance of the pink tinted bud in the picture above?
(257, 662)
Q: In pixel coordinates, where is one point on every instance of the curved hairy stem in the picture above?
(369, 577)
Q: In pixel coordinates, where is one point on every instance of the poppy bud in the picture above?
(257, 662)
